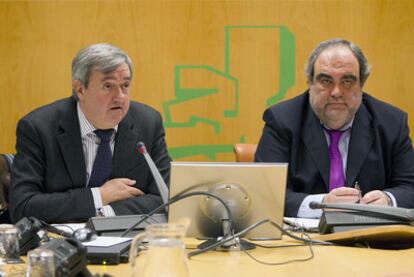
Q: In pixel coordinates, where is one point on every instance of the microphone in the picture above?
(162, 187)
(346, 217)
(394, 212)
(116, 225)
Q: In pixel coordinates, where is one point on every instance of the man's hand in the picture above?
(342, 195)
(118, 189)
(376, 197)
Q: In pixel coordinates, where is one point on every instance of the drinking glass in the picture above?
(165, 251)
(9, 244)
(40, 263)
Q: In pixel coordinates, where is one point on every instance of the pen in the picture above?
(359, 189)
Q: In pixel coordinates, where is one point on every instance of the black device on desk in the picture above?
(28, 228)
(70, 257)
(115, 225)
(359, 216)
(111, 255)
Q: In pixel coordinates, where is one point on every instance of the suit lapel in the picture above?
(71, 145)
(125, 147)
(314, 140)
(362, 137)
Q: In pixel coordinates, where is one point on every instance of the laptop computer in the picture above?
(253, 191)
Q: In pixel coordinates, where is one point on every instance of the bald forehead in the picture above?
(337, 57)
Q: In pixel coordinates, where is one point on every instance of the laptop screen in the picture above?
(253, 191)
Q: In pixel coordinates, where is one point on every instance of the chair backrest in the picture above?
(6, 161)
(244, 152)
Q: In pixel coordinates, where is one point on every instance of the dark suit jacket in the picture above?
(380, 155)
(49, 173)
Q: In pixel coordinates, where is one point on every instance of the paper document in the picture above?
(308, 224)
(105, 241)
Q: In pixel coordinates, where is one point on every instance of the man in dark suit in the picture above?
(62, 174)
(342, 145)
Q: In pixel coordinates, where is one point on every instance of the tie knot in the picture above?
(334, 135)
(104, 135)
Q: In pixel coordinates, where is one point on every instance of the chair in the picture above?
(244, 152)
(6, 161)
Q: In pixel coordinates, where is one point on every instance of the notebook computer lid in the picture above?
(254, 191)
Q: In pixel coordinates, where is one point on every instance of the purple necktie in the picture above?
(336, 175)
(102, 167)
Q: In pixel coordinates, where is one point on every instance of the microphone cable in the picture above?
(183, 196)
(40, 224)
(308, 242)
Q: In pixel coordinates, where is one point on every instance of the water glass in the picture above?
(9, 244)
(40, 263)
(165, 255)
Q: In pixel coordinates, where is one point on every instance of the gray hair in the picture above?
(364, 67)
(102, 57)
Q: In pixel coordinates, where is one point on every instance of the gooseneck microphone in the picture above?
(393, 212)
(162, 187)
(113, 225)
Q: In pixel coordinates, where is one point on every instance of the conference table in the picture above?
(327, 261)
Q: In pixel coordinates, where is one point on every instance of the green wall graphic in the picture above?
(196, 87)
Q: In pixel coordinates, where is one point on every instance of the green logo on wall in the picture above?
(195, 85)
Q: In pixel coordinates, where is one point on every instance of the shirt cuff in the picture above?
(305, 211)
(97, 201)
(393, 200)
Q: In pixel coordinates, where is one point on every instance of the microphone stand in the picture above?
(234, 244)
(162, 187)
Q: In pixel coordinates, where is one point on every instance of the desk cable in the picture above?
(234, 236)
(304, 238)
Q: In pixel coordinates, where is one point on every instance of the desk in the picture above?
(328, 261)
